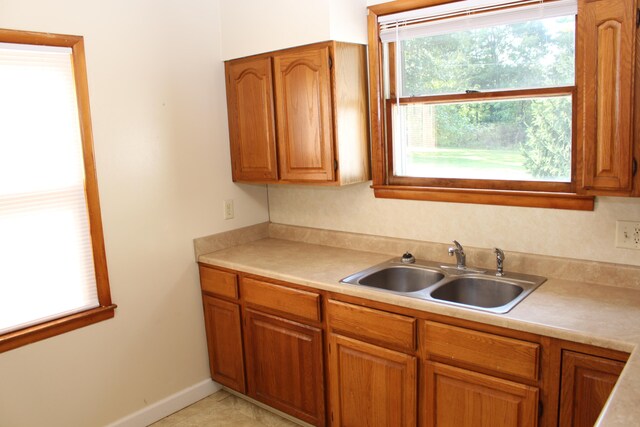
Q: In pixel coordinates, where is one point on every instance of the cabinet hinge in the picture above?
(638, 17)
(335, 165)
(330, 62)
(634, 167)
(540, 409)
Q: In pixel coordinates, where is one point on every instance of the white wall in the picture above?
(161, 141)
(250, 27)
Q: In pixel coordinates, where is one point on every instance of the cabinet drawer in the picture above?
(299, 303)
(499, 354)
(218, 282)
(372, 325)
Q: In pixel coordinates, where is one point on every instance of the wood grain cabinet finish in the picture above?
(508, 356)
(300, 115)
(251, 120)
(605, 49)
(370, 385)
(285, 365)
(224, 340)
(587, 382)
(388, 367)
(303, 106)
(219, 283)
(375, 326)
(461, 398)
(281, 299)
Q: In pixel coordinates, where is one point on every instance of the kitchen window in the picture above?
(476, 102)
(53, 273)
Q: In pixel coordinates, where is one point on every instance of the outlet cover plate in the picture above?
(628, 234)
(228, 209)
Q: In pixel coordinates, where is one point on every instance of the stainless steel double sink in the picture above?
(449, 284)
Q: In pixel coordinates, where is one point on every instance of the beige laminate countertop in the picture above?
(604, 316)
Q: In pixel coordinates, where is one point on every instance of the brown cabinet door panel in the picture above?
(304, 114)
(284, 365)
(461, 398)
(587, 382)
(251, 120)
(370, 385)
(605, 46)
(224, 339)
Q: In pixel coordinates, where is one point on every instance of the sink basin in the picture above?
(447, 284)
(401, 279)
(479, 292)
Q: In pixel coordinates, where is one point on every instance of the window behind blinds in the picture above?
(46, 259)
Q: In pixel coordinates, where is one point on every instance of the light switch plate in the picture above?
(628, 234)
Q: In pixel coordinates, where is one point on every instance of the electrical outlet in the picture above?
(628, 234)
(228, 209)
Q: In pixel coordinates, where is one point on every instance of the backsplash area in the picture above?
(551, 267)
(577, 235)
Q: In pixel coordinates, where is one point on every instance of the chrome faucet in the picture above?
(499, 261)
(461, 258)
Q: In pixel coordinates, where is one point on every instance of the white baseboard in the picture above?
(168, 405)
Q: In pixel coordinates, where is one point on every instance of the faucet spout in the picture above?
(458, 251)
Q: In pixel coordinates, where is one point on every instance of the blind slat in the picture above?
(426, 22)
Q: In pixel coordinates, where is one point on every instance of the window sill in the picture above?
(55, 327)
(487, 197)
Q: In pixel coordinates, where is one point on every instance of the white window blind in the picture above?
(46, 259)
(469, 14)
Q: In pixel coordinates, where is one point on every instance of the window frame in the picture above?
(106, 308)
(495, 192)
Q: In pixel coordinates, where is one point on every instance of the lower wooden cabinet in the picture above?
(388, 366)
(284, 365)
(370, 385)
(224, 340)
(587, 382)
(461, 398)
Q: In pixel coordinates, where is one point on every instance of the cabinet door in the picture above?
(460, 398)
(303, 105)
(224, 339)
(605, 46)
(370, 385)
(284, 365)
(251, 121)
(587, 382)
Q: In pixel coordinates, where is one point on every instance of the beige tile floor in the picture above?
(223, 409)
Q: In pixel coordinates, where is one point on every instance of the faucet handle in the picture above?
(499, 261)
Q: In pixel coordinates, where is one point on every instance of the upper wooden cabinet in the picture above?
(299, 115)
(251, 119)
(605, 52)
